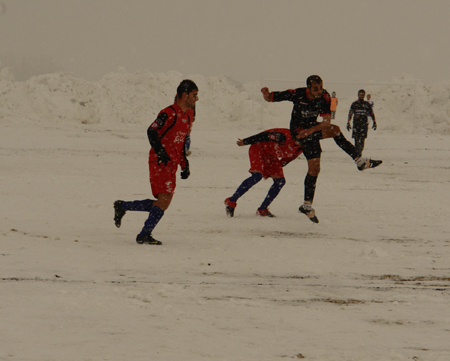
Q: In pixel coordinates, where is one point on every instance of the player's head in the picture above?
(186, 86)
(315, 86)
(189, 88)
(313, 79)
(333, 94)
(369, 96)
(361, 94)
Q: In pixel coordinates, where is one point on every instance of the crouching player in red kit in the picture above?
(269, 152)
(167, 136)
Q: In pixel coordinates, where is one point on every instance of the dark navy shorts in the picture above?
(311, 145)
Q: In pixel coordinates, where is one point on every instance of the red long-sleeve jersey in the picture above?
(172, 126)
(277, 142)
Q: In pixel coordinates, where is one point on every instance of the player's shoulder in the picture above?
(326, 95)
(297, 91)
(279, 135)
(170, 111)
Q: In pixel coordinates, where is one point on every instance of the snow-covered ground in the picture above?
(371, 281)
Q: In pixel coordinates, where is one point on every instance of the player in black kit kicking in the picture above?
(309, 103)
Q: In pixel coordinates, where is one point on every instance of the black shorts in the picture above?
(311, 145)
(360, 130)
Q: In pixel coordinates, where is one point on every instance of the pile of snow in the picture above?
(406, 105)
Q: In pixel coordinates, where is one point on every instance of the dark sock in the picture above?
(139, 206)
(344, 144)
(154, 217)
(359, 145)
(310, 187)
(278, 183)
(245, 186)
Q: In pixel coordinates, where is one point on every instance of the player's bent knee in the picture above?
(335, 129)
(280, 181)
(163, 201)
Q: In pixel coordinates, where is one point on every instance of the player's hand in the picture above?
(374, 126)
(185, 173)
(163, 157)
(240, 142)
(266, 93)
(349, 126)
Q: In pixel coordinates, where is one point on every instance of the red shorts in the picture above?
(266, 164)
(163, 177)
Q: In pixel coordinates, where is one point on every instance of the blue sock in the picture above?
(139, 206)
(245, 186)
(278, 183)
(154, 217)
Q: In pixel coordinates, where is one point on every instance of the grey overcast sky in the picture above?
(248, 40)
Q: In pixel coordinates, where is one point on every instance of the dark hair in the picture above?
(313, 79)
(361, 91)
(186, 86)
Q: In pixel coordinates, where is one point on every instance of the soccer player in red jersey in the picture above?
(269, 152)
(167, 136)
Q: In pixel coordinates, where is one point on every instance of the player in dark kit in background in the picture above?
(369, 99)
(167, 135)
(309, 103)
(360, 110)
(269, 152)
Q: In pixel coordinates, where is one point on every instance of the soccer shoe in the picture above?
(264, 213)
(365, 163)
(309, 212)
(118, 213)
(147, 239)
(229, 207)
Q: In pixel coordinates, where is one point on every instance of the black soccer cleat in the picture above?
(374, 163)
(366, 163)
(118, 213)
(309, 212)
(230, 211)
(147, 239)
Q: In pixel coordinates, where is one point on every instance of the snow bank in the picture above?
(406, 105)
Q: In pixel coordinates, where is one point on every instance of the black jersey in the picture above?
(360, 110)
(306, 110)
